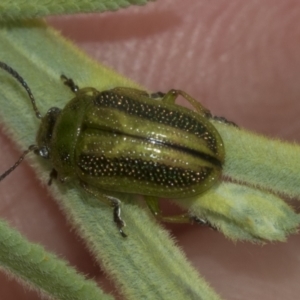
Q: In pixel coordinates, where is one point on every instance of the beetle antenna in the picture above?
(15, 74)
(7, 172)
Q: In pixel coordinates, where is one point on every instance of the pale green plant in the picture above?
(244, 210)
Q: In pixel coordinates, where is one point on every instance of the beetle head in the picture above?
(44, 134)
(46, 128)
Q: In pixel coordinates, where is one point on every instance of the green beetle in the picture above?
(125, 140)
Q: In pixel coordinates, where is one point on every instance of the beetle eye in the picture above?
(43, 152)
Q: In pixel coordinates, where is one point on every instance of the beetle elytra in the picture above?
(125, 140)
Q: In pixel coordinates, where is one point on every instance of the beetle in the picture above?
(126, 140)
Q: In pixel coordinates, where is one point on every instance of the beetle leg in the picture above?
(202, 222)
(153, 204)
(111, 201)
(172, 95)
(75, 89)
(224, 120)
(70, 83)
(157, 95)
(53, 175)
(117, 217)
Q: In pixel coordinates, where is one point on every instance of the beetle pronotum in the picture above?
(125, 140)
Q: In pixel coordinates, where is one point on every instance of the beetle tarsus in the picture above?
(117, 219)
(53, 175)
(70, 83)
(202, 222)
(157, 95)
(224, 120)
(123, 234)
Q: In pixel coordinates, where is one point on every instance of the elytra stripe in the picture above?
(155, 113)
(192, 152)
(177, 147)
(142, 170)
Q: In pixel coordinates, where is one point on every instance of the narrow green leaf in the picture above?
(240, 212)
(148, 256)
(19, 9)
(244, 213)
(261, 162)
(251, 212)
(43, 271)
(147, 265)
